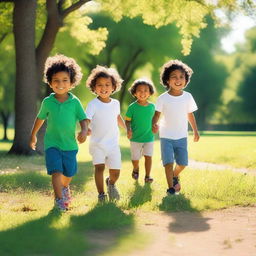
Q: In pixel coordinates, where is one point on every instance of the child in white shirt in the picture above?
(103, 114)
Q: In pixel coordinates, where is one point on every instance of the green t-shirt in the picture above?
(141, 121)
(61, 121)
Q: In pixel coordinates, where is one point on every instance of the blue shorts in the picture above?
(174, 150)
(61, 161)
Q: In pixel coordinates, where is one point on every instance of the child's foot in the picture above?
(135, 174)
(113, 193)
(170, 191)
(176, 184)
(102, 197)
(66, 195)
(148, 179)
(60, 204)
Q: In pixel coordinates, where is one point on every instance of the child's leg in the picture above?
(98, 175)
(66, 180)
(178, 169)
(169, 174)
(135, 164)
(57, 184)
(148, 165)
(113, 176)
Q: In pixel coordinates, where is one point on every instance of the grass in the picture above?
(27, 220)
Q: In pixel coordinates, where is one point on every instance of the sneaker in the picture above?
(102, 197)
(113, 193)
(170, 191)
(135, 174)
(176, 184)
(60, 204)
(66, 195)
(148, 179)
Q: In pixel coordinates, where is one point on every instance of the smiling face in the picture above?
(142, 93)
(104, 88)
(177, 81)
(61, 83)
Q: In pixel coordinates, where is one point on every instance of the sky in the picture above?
(239, 26)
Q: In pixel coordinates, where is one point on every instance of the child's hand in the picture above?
(81, 137)
(129, 134)
(89, 132)
(155, 128)
(33, 142)
(196, 136)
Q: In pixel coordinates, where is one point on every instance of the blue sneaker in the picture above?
(113, 193)
(170, 191)
(176, 184)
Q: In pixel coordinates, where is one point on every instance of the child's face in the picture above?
(142, 92)
(61, 83)
(104, 87)
(177, 80)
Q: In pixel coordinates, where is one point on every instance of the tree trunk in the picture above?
(24, 17)
(5, 119)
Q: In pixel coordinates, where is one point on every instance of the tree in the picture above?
(187, 15)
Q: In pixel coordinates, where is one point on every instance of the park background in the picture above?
(137, 38)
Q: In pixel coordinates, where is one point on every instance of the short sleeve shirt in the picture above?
(104, 124)
(61, 121)
(141, 122)
(175, 109)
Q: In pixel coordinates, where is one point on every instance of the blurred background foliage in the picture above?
(138, 43)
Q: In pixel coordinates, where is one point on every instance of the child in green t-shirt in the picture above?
(138, 120)
(62, 110)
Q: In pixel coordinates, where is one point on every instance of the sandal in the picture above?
(148, 179)
(135, 174)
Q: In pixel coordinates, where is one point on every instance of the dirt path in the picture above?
(218, 167)
(225, 232)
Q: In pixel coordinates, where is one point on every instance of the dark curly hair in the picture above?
(61, 63)
(172, 65)
(101, 71)
(140, 81)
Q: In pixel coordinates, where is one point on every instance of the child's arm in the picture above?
(36, 127)
(128, 129)
(192, 121)
(81, 137)
(120, 122)
(155, 119)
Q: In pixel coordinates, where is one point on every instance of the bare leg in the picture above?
(148, 165)
(57, 184)
(169, 174)
(178, 169)
(113, 175)
(98, 175)
(66, 180)
(135, 164)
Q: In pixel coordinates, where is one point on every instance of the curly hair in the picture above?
(61, 63)
(102, 71)
(141, 81)
(172, 65)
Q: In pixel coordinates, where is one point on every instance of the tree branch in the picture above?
(73, 7)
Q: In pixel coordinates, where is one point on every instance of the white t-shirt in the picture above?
(104, 124)
(175, 109)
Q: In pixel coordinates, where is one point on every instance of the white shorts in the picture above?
(141, 149)
(110, 157)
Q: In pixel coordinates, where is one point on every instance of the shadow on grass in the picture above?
(40, 237)
(184, 217)
(126, 153)
(34, 181)
(141, 195)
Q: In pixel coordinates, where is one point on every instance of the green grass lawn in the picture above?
(27, 221)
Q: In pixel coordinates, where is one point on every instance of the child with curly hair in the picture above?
(62, 110)
(177, 107)
(103, 115)
(138, 121)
